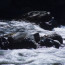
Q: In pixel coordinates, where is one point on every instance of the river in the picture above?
(39, 56)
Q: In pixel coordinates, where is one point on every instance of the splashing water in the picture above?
(40, 56)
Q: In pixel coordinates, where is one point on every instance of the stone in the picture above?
(42, 18)
(51, 40)
(16, 41)
(55, 36)
(4, 43)
(57, 43)
(20, 44)
(49, 25)
(37, 37)
(37, 16)
(46, 42)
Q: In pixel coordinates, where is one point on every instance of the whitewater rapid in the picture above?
(40, 56)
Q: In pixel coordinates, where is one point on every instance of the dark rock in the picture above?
(37, 16)
(19, 42)
(51, 40)
(37, 37)
(11, 43)
(46, 42)
(57, 43)
(55, 36)
(4, 43)
(43, 18)
(49, 25)
(25, 43)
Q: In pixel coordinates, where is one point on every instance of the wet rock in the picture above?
(46, 42)
(49, 25)
(20, 44)
(16, 41)
(4, 43)
(37, 16)
(37, 37)
(57, 43)
(43, 18)
(19, 41)
(55, 36)
(27, 43)
(51, 40)
(11, 42)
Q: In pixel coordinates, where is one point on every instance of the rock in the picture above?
(51, 40)
(11, 43)
(15, 8)
(43, 18)
(27, 43)
(57, 43)
(49, 25)
(46, 42)
(37, 37)
(55, 36)
(20, 44)
(37, 16)
(20, 41)
(4, 43)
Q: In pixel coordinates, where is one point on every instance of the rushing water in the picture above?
(40, 56)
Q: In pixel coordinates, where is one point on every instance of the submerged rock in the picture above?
(43, 18)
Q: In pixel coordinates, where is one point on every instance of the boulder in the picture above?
(37, 16)
(36, 37)
(17, 41)
(46, 42)
(4, 43)
(51, 40)
(20, 41)
(57, 44)
(20, 44)
(43, 18)
(55, 36)
(49, 25)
